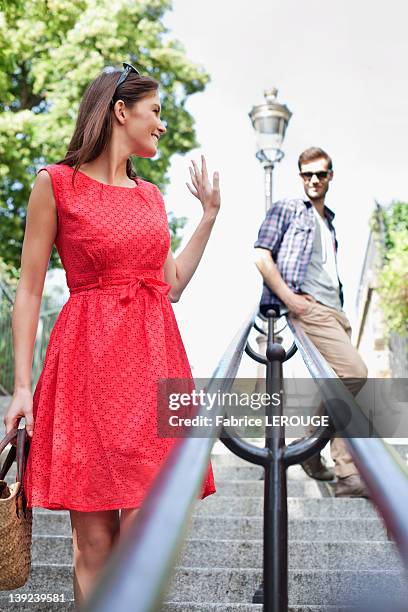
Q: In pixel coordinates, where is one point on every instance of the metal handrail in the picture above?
(380, 466)
(4, 290)
(6, 353)
(46, 322)
(389, 490)
(134, 578)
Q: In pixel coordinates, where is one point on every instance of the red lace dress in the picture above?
(95, 444)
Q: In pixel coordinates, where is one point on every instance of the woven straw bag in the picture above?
(15, 517)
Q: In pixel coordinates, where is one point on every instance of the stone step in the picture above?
(294, 472)
(250, 527)
(298, 507)
(228, 459)
(47, 578)
(311, 587)
(51, 522)
(235, 471)
(10, 605)
(190, 606)
(68, 605)
(238, 472)
(306, 587)
(224, 466)
(371, 556)
(241, 553)
(254, 473)
(255, 488)
(229, 467)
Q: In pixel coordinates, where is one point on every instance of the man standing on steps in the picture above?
(296, 255)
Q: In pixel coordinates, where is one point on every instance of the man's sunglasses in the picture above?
(320, 175)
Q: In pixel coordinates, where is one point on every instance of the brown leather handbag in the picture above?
(15, 517)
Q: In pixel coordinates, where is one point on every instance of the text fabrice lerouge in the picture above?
(248, 421)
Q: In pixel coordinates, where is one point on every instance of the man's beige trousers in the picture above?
(330, 331)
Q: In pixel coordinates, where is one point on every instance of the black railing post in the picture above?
(275, 498)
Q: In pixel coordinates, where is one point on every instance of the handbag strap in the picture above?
(11, 454)
(11, 434)
(21, 453)
(8, 462)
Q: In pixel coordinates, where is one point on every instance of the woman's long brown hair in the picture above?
(93, 127)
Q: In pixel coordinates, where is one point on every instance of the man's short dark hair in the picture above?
(312, 154)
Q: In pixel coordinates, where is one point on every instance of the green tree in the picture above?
(390, 225)
(50, 51)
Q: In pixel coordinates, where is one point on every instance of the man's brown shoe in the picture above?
(316, 468)
(351, 486)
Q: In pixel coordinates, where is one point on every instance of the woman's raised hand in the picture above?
(209, 195)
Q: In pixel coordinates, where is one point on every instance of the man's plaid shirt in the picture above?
(288, 232)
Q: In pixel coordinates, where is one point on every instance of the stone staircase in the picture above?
(338, 549)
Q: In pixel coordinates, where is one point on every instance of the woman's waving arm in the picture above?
(179, 270)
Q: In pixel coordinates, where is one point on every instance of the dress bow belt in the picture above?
(129, 291)
(131, 287)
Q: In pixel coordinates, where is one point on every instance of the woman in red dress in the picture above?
(93, 416)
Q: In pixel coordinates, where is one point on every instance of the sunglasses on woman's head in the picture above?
(127, 68)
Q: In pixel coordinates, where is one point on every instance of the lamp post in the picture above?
(269, 121)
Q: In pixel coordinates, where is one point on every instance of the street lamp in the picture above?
(269, 121)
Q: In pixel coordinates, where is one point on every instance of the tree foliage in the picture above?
(391, 227)
(176, 224)
(50, 51)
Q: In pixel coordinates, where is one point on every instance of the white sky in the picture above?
(341, 68)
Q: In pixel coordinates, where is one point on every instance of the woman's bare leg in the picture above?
(93, 535)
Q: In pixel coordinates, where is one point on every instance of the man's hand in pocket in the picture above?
(300, 305)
